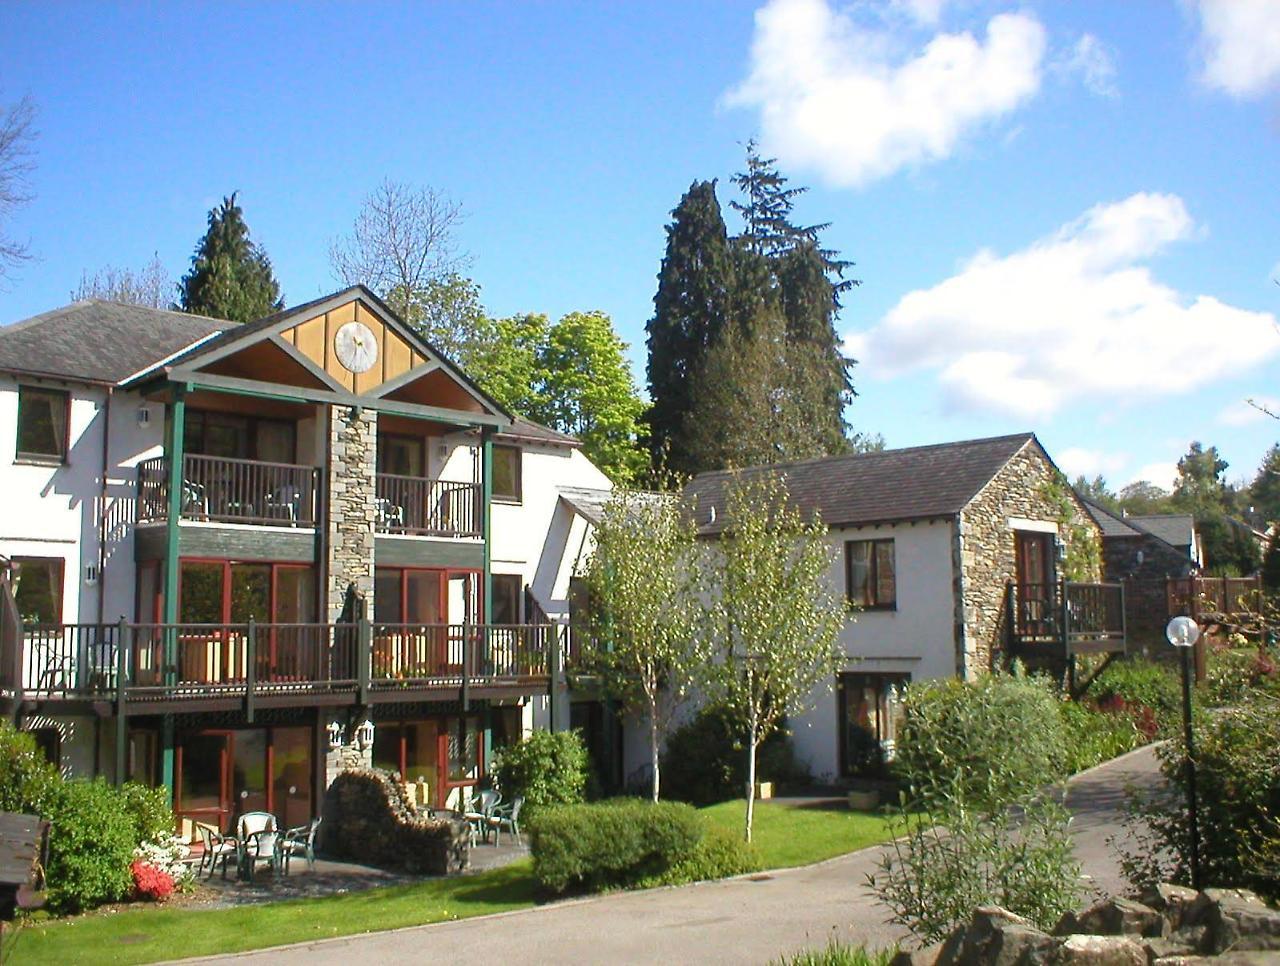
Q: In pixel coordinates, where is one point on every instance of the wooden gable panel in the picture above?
(437, 388)
(266, 362)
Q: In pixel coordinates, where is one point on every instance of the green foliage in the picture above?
(230, 276)
(1234, 672)
(1094, 736)
(704, 760)
(149, 809)
(545, 768)
(642, 582)
(91, 845)
(1264, 492)
(1238, 783)
(719, 854)
(506, 366)
(943, 865)
(1135, 683)
(446, 312)
(773, 613)
(957, 735)
(1096, 490)
(611, 844)
(838, 954)
(28, 783)
(1143, 497)
(1271, 565)
(1084, 544)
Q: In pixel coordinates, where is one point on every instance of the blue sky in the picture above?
(1062, 214)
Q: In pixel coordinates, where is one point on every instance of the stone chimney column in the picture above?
(352, 509)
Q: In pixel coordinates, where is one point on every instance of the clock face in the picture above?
(355, 347)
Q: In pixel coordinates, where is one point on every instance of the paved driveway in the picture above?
(748, 920)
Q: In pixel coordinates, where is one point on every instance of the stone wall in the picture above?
(987, 551)
(353, 435)
(1145, 602)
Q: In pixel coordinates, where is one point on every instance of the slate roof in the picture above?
(587, 503)
(99, 341)
(1111, 524)
(917, 483)
(1175, 529)
(527, 430)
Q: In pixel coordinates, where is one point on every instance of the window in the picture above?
(39, 589)
(233, 436)
(49, 743)
(42, 424)
(401, 455)
(506, 473)
(870, 574)
(870, 712)
(506, 599)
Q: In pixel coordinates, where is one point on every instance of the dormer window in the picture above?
(42, 425)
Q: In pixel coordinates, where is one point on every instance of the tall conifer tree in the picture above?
(230, 276)
(689, 313)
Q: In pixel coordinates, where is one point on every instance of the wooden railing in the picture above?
(193, 661)
(1196, 596)
(1075, 616)
(421, 506)
(226, 490)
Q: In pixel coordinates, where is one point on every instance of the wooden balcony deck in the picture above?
(1067, 617)
(164, 667)
(220, 490)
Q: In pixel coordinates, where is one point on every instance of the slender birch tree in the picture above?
(643, 601)
(773, 614)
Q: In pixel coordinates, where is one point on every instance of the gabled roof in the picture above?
(1175, 529)
(526, 430)
(895, 485)
(1112, 524)
(589, 502)
(100, 342)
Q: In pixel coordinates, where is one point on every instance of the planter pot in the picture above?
(864, 801)
(764, 790)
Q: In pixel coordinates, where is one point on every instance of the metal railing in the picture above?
(225, 490)
(421, 506)
(181, 661)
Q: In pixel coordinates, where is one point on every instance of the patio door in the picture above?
(1033, 551)
(224, 773)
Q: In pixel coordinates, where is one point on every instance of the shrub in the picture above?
(150, 882)
(545, 768)
(720, 854)
(1235, 671)
(617, 843)
(1095, 736)
(28, 783)
(706, 760)
(838, 954)
(960, 734)
(91, 846)
(1133, 684)
(149, 809)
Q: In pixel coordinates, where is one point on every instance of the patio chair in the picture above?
(478, 811)
(390, 515)
(301, 841)
(506, 817)
(216, 846)
(284, 502)
(258, 842)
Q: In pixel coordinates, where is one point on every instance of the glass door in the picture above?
(204, 790)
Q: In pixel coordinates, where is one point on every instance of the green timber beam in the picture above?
(486, 520)
(172, 570)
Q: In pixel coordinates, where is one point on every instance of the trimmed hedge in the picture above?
(544, 768)
(626, 842)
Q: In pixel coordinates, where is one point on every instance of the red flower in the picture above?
(150, 882)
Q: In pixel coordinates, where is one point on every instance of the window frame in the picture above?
(518, 495)
(57, 584)
(517, 582)
(43, 459)
(873, 575)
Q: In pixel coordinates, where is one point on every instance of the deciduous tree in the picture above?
(150, 285)
(17, 137)
(230, 276)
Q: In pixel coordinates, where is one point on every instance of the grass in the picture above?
(838, 954)
(784, 834)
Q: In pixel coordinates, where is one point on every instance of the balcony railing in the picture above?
(424, 507)
(1074, 616)
(224, 490)
(140, 662)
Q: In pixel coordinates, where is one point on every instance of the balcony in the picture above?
(1066, 617)
(222, 490)
(152, 667)
(418, 506)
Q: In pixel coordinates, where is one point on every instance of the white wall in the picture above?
(917, 638)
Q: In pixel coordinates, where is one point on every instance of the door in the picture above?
(1034, 555)
(223, 774)
(204, 779)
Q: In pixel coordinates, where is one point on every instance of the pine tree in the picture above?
(690, 309)
(766, 215)
(230, 276)
(1264, 492)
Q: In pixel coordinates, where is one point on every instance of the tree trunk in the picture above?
(653, 751)
(751, 769)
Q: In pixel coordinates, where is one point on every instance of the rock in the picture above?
(1237, 920)
(1099, 951)
(1112, 917)
(1160, 948)
(1171, 901)
(1255, 958)
(997, 937)
(927, 956)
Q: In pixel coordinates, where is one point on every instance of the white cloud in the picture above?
(851, 102)
(1161, 474)
(927, 12)
(1094, 63)
(1078, 461)
(1241, 413)
(1074, 317)
(1240, 42)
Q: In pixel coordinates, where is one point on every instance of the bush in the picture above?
(150, 882)
(1235, 671)
(1132, 684)
(91, 846)
(28, 783)
(545, 768)
(706, 760)
(149, 809)
(1095, 736)
(958, 736)
(618, 843)
(838, 954)
(720, 854)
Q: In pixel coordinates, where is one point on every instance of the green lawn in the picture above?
(785, 835)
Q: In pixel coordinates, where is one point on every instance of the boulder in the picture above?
(1112, 917)
(1171, 901)
(1237, 920)
(927, 956)
(996, 937)
(1099, 951)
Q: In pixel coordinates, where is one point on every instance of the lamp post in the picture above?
(1182, 633)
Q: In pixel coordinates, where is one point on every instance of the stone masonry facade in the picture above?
(352, 505)
(1143, 563)
(987, 556)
